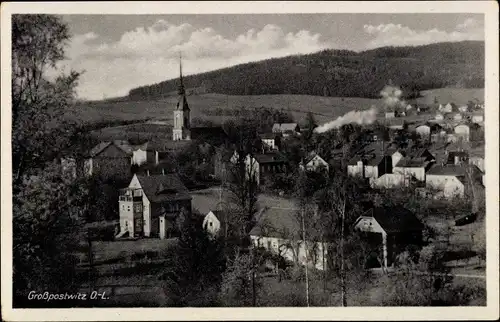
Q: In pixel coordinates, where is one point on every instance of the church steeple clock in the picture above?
(182, 118)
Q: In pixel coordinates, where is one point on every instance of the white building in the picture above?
(140, 155)
(314, 163)
(355, 167)
(477, 118)
(439, 117)
(286, 129)
(448, 180)
(215, 222)
(150, 206)
(269, 140)
(412, 168)
(279, 231)
(462, 131)
(423, 131)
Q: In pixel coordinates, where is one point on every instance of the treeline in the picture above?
(342, 73)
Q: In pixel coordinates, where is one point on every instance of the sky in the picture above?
(121, 52)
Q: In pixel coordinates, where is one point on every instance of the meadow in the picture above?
(202, 106)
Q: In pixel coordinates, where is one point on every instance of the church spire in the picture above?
(181, 90)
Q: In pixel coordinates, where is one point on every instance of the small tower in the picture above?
(182, 118)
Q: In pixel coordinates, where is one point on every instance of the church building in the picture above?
(182, 119)
(183, 131)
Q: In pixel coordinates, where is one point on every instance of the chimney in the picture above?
(147, 173)
(162, 171)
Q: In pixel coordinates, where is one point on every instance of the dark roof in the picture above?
(272, 157)
(162, 188)
(167, 145)
(412, 162)
(282, 223)
(267, 136)
(354, 160)
(447, 170)
(182, 103)
(123, 145)
(208, 132)
(419, 153)
(375, 161)
(396, 219)
(312, 156)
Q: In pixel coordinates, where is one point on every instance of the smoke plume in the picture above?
(359, 117)
(392, 98)
(391, 95)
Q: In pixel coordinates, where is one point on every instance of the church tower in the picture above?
(182, 118)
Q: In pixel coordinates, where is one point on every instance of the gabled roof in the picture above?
(447, 170)
(282, 223)
(162, 188)
(412, 163)
(267, 136)
(374, 161)
(311, 157)
(284, 127)
(167, 145)
(271, 157)
(125, 146)
(395, 219)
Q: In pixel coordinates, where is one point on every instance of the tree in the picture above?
(238, 284)
(38, 103)
(196, 267)
(47, 205)
(46, 230)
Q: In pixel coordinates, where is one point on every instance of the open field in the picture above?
(325, 108)
(208, 199)
(459, 96)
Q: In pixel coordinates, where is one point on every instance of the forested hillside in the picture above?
(342, 73)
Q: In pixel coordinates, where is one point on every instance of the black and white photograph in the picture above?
(181, 156)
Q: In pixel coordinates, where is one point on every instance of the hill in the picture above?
(341, 73)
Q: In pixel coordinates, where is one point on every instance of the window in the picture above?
(128, 208)
(268, 244)
(211, 224)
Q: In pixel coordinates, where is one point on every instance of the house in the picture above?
(395, 228)
(390, 181)
(279, 231)
(477, 117)
(449, 180)
(424, 131)
(110, 157)
(269, 140)
(413, 168)
(439, 117)
(448, 108)
(463, 109)
(286, 129)
(377, 165)
(260, 165)
(462, 132)
(458, 158)
(314, 163)
(395, 124)
(390, 115)
(355, 167)
(151, 206)
(457, 117)
(409, 107)
(216, 223)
